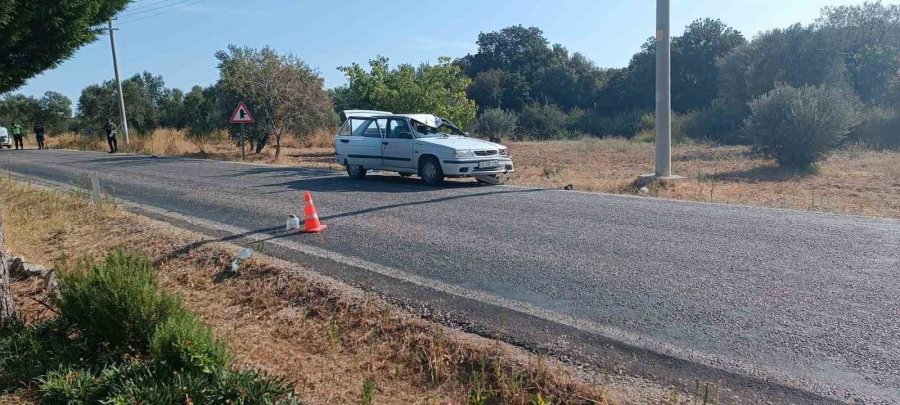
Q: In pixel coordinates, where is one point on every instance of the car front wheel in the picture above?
(356, 172)
(430, 171)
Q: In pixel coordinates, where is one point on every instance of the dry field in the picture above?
(327, 339)
(852, 181)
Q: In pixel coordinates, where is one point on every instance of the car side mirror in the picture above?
(466, 133)
(405, 135)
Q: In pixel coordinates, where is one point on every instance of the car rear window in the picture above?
(368, 128)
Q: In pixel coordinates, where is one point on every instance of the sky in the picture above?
(178, 38)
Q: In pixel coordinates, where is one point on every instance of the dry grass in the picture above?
(853, 181)
(325, 338)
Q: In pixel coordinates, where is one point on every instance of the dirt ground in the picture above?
(327, 339)
(851, 181)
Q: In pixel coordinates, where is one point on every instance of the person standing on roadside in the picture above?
(111, 136)
(39, 135)
(18, 133)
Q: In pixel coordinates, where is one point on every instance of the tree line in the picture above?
(519, 85)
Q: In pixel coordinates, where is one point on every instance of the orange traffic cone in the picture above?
(311, 221)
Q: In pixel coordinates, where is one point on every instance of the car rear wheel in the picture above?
(430, 171)
(356, 172)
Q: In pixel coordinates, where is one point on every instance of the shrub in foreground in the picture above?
(116, 304)
(800, 126)
(148, 383)
(183, 342)
(165, 354)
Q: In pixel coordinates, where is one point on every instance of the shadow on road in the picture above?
(431, 201)
(371, 184)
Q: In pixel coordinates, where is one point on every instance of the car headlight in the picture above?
(504, 152)
(465, 153)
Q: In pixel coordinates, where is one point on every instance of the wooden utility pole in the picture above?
(7, 306)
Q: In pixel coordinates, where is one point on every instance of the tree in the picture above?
(796, 56)
(695, 75)
(18, 109)
(201, 111)
(171, 109)
(869, 37)
(95, 105)
(284, 91)
(435, 89)
(517, 65)
(8, 312)
(38, 35)
(513, 49)
(148, 104)
(54, 112)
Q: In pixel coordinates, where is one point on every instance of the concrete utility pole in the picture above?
(112, 41)
(663, 172)
(663, 91)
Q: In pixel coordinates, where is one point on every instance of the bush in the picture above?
(496, 123)
(175, 358)
(117, 304)
(147, 383)
(800, 126)
(543, 121)
(719, 122)
(622, 124)
(27, 352)
(879, 128)
(182, 342)
(893, 93)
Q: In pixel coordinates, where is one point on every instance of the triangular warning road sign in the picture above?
(241, 115)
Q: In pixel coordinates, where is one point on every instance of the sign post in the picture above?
(241, 115)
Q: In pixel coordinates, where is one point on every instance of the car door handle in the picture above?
(345, 141)
(384, 143)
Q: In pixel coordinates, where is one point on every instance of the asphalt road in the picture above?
(804, 301)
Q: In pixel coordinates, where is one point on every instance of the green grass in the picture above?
(120, 339)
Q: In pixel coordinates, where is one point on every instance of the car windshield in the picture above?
(425, 131)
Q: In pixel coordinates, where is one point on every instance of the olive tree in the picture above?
(436, 89)
(285, 93)
(800, 126)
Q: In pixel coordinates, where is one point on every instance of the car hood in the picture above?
(460, 142)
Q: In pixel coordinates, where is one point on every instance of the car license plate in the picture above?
(489, 163)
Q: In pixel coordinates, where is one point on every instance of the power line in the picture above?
(155, 8)
(146, 5)
(168, 10)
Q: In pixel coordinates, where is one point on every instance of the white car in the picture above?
(4, 138)
(420, 144)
